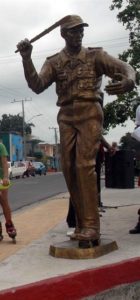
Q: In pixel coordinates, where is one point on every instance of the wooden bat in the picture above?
(58, 23)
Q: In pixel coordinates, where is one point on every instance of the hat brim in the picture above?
(77, 24)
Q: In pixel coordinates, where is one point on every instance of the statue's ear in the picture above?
(63, 33)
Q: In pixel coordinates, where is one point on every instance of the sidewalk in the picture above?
(41, 225)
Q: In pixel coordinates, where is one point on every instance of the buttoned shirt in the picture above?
(77, 77)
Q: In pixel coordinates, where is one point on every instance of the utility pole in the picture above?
(56, 144)
(23, 125)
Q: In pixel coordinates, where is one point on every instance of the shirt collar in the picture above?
(66, 57)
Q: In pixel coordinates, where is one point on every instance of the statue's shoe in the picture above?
(87, 234)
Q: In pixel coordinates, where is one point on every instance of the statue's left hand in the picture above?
(121, 84)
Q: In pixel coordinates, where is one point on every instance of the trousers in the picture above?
(80, 126)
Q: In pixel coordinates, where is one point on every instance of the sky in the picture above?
(26, 19)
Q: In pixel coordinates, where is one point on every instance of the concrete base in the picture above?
(70, 249)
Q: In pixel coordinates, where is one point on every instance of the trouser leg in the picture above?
(87, 147)
(79, 145)
(68, 157)
(81, 181)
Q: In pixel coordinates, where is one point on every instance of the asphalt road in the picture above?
(27, 191)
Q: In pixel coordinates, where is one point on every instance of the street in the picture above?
(27, 191)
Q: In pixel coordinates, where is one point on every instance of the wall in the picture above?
(14, 145)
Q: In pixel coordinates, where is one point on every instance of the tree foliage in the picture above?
(14, 123)
(124, 106)
(129, 143)
(38, 155)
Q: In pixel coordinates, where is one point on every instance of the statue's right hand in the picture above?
(25, 48)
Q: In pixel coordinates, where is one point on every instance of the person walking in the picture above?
(136, 135)
(4, 179)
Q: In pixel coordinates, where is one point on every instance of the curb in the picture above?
(79, 284)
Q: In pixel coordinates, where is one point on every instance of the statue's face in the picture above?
(74, 36)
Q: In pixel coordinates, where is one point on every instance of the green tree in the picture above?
(14, 123)
(124, 106)
(129, 143)
(38, 155)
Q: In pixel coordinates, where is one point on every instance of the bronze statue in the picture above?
(77, 72)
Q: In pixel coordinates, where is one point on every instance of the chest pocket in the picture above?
(62, 79)
(86, 77)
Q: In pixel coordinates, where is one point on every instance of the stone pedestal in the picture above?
(71, 250)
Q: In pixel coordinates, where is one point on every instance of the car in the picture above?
(40, 168)
(16, 169)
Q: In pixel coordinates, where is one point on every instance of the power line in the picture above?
(10, 91)
(57, 49)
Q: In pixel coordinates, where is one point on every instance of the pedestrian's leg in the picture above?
(136, 229)
(10, 228)
(1, 235)
(98, 172)
(71, 218)
(5, 205)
